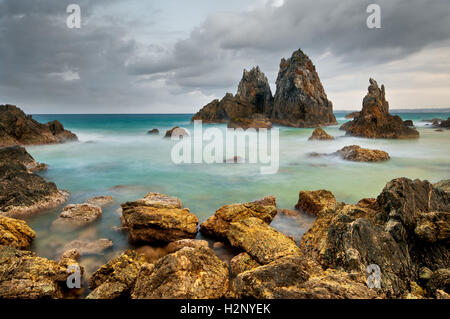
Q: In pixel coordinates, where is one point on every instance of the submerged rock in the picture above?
(158, 218)
(17, 128)
(262, 242)
(26, 276)
(83, 247)
(76, 216)
(100, 201)
(180, 244)
(15, 233)
(189, 273)
(375, 121)
(23, 193)
(356, 153)
(320, 134)
(154, 131)
(217, 225)
(300, 99)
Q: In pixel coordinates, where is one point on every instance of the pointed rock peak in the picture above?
(375, 97)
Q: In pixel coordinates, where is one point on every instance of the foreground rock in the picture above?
(26, 276)
(189, 273)
(262, 242)
(320, 134)
(404, 232)
(253, 97)
(218, 225)
(77, 216)
(15, 233)
(20, 155)
(158, 218)
(445, 123)
(116, 279)
(17, 128)
(300, 99)
(23, 193)
(355, 153)
(375, 121)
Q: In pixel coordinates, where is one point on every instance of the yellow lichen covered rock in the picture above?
(15, 233)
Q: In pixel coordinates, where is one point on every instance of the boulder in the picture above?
(15, 233)
(314, 202)
(23, 193)
(116, 279)
(176, 131)
(217, 225)
(77, 216)
(262, 242)
(158, 218)
(356, 153)
(189, 273)
(300, 99)
(253, 97)
(17, 128)
(320, 134)
(180, 244)
(26, 276)
(375, 121)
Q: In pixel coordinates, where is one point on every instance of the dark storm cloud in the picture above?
(112, 64)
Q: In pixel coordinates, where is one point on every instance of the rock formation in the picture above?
(314, 202)
(300, 99)
(26, 276)
(158, 218)
(253, 97)
(24, 193)
(154, 131)
(18, 154)
(356, 153)
(321, 135)
(352, 115)
(83, 247)
(218, 225)
(15, 233)
(178, 131)
(17, 128)
(375, 121)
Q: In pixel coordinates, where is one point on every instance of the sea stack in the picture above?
(17, 128)
(300, 99)
(375, 121)
(253, 97)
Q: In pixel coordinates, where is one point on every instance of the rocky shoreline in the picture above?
(404, 231)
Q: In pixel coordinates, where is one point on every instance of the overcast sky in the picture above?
(174, 56)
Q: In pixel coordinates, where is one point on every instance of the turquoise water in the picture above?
(116, 157)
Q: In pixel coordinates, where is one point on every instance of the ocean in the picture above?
(116, 157)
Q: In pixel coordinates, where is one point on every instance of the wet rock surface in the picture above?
(375, 121)
(190, 273)
(158, 218)
(17, 128)
(218, 225)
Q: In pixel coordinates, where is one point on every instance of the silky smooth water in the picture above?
(116, 157)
